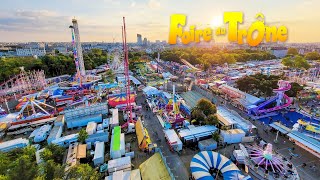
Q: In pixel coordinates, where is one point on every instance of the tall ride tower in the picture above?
(78, 47)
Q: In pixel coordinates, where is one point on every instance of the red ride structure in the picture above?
(126, 73)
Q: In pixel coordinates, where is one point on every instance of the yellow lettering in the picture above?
(259, 27)
(175, 29)
(271, 32)
(282, 33)
(233, 18)
(207, 34)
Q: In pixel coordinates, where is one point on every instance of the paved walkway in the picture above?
(157, 136)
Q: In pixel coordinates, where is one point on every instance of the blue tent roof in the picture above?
(149, 90)
(202, 162)
(305, 140)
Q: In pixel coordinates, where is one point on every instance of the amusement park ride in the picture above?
(37, 112)
(127, 77)
(77, 52)
(266, 159)
(23, 83)
(281, 99)
(173, 115)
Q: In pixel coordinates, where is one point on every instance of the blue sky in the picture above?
(100, 20)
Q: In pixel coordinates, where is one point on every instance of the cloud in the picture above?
(22, 20)
(133, 3)
(154, 4)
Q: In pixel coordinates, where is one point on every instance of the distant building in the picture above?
(31, 52)
(145, 41)
(61, 49)
(139, 39)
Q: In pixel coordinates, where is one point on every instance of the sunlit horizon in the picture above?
(100, 20)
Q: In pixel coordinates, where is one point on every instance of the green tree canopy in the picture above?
(212, 120)
(206, 107)
(53, 152)
(83, 171)
(51, 170)
(198, 115)
(292, 51)
(312, 55)
(83, 135)
(53, 65)
(263, 85)
(214, 56)
(216, 136)
(296, 62)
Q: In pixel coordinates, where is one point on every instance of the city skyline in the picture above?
(100, 20)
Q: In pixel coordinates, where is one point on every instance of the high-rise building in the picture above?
(78, 47)
(145, 41)
(139, 39)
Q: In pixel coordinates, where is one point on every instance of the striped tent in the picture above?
(120, 99)
(202, 162)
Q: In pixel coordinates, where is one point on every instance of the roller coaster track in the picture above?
(22, 82)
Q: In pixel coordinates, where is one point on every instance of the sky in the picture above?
(101, 20)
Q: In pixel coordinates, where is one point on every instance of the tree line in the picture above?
(53, 65)
(298, 61)
(262, 85)
(214, 55)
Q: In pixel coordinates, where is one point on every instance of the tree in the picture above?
(216, 136)
(51, 170)
(287, 61)
(295, 88)
(83, 135)
(312, 55)
(206, 107)
(53, 65)
(197, 115)
(23, 168)
(4, 163)
(82, 171)
(296, 62)
(212, 120)
(292, 51)
(53, 152)
(300, 62)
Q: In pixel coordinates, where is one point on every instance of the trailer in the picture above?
(55, 133)
(98, 158)
(207, 145)
(40, 134)
(114, 120)
(194, 134)
(91, 128)
(117, 146)
(173, 140)
(232, 136)
(123, 163)
(83, 121)
(65, 141)
(13, 144)
(102, 136)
